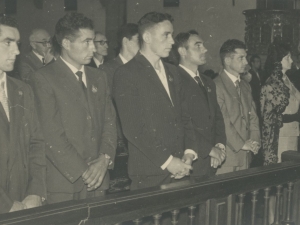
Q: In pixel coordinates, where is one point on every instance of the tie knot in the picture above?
(237, 83)
(79, 74)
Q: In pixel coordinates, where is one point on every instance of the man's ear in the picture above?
(65, 43)
(182, 51)
(32, 45)
(147, 37)
(227, 60)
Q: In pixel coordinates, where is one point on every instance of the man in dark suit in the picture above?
(39, 56)
(148, 97)
(101, 45)
(76, 114)
(238, 109)
(256, 80)
(202, 102)
(22, 148)
(128, 42)
(129, 46)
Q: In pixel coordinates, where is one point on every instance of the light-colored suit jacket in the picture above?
(240, 118)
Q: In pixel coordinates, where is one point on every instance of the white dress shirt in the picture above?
(39, 56)
(97, 62)
(74, 70)
(123, 59)
(233, 78)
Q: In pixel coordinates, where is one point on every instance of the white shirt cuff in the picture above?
(164, 166)
(191, 152)
(221, 146)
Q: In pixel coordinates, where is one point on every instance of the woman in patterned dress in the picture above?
(279, 106)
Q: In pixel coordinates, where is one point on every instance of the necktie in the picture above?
(237, 86)
(43, 59)
(4, 100)
(201, 85)
(79, 74)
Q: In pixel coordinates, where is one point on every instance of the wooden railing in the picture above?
(217, 200)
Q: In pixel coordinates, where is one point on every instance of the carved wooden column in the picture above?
(263, 26)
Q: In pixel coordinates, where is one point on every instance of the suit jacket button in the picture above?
(89, 117)
(93, 139)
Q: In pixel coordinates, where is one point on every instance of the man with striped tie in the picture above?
(22, 148)
(238, 108)
(202, 102)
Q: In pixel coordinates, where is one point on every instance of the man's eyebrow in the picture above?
(9, 39)
(199, 42)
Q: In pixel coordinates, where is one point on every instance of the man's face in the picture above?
(161, 39)
(41, 43)
(236, 63)
(256, 63)
(9, 39)
(101, 45)
(195, 51)
(133, 45)
(80, 51)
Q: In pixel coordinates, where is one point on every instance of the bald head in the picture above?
(40, 41)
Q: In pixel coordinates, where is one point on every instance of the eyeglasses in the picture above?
(44, 43)
(102, 42)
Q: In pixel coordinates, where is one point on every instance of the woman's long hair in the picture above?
(276, 52)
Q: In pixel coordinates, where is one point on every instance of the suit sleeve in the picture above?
(6, 202)
(220, 135)
(234, 141)
(136, 126)
(37, 158)
(109, 134)
(254, 124)
(59, 150)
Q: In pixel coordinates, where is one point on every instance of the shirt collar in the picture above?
(190, 72)
(162, 68)
(4, 79)
(97, 62)
(123, 59)
(73, 68)
(39, 56)
(233, 78)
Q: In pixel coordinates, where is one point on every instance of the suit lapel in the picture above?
(230, 86)
(151, 74)
(70, 82)
(16, 112)
(208, 90)
(92, 89)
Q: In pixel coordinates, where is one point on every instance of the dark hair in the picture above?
(149, 20)
(253, 57)
(276, 52)
(69, 25)
(181, 40)
(229, 48)
(8, 21)
(128, 30)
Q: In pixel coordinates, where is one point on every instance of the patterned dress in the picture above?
(274, 98)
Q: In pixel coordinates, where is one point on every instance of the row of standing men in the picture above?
(59, 133)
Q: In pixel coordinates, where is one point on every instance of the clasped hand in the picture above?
(180, 168)
(252, 146)
(95, 173)
(217, 157)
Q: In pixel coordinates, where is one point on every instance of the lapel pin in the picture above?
(170, 79)
(94, 89)
(21, 93)
(208, 89)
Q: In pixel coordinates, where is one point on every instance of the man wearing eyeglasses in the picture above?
(39, 56)
(101, 45)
